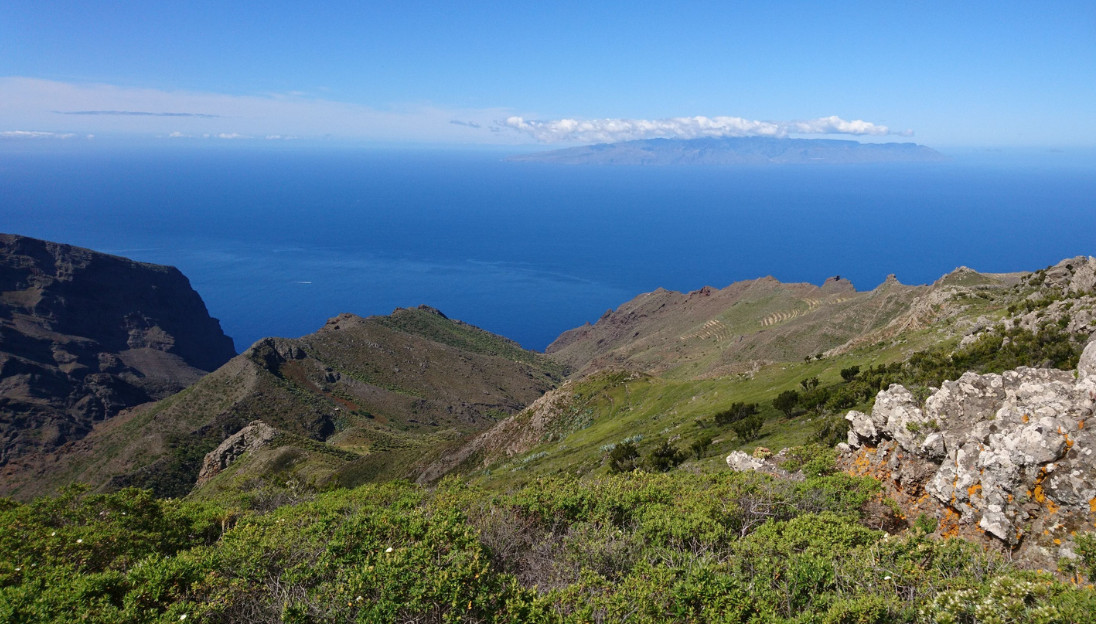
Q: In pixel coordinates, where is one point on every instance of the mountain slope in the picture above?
(648, 374)
(84, 335)
(716, 332)
(381, 393)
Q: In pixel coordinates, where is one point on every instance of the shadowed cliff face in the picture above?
(84, 335)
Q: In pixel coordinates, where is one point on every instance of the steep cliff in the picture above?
(84, 335)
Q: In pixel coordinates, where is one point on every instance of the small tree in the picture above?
(748, 428)
(664, 457)
(850, 373)
(736, 412)
(786, 402)
(700, 445)
(623, 457)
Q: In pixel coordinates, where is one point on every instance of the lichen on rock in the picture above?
(1009, 454)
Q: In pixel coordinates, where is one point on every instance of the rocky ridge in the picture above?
(360, 399)
(1005, 457)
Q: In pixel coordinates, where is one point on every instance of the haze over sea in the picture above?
(276, 241)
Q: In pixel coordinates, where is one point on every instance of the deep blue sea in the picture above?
(277, 241)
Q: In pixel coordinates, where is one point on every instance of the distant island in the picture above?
(735, 151)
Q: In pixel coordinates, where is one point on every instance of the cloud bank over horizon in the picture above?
(34, 108)
(614, 130)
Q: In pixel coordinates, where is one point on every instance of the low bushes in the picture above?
(636, 547)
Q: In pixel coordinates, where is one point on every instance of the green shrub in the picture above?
(786, 402)
(735, 413)
(664, 457)
(700, 445)
(623, 458)
(748, 428)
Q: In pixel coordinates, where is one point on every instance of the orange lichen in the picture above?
(1038, 495)
(974, 490)
(949, 524)
(1025, 418)
(1052, 507)
(1092, 506)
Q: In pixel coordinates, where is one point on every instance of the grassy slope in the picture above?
(605, 409)
(382, 391)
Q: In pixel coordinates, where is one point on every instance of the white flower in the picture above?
(182, 617)
(358, 599)
(389, 549)
(80, 541)
(54, 534)
(886, 578)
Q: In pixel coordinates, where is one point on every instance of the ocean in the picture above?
(278, 240)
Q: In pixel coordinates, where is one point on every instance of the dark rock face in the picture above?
(84, 335)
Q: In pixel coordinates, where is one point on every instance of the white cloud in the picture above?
(36, 134)
(62, 107)
(612, 130)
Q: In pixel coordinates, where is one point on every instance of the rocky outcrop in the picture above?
(84, 335)
(764, 461)
(1073, 275)
(1009, 455)
(254, 436)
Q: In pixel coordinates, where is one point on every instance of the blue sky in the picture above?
(979, 74)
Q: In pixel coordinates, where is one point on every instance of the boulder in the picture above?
(1009, 454)
(255, 435)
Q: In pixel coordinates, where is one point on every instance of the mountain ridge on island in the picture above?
(736, 151)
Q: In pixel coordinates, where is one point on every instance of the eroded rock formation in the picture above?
(255, 435)
(1009, 456)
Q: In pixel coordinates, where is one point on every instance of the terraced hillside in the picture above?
(669, 368)
(710, 333)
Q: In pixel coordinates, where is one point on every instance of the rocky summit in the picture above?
(84, 335)
(1003, 456)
